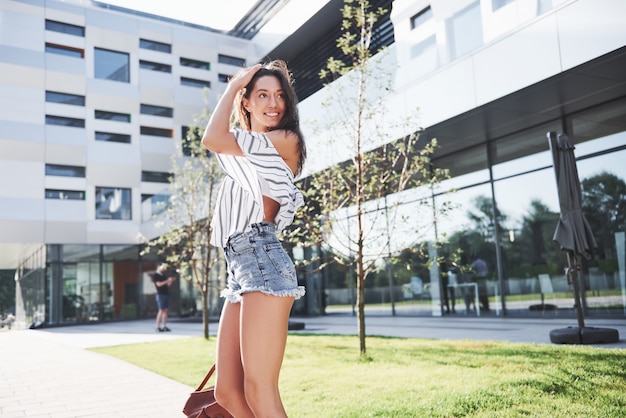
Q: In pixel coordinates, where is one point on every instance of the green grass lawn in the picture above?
(323, 376)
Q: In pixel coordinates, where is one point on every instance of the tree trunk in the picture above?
(205, 311)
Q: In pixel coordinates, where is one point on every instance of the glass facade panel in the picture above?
(192, 82)
(227, 59)
(113, 203)
(155, 46)
(151, 131)
(188, 62)
(67, 28)
(114, 116)
(65, 98)
(111, 65)
(155, 66)
(111, 137)
(147, 109)
(65, 50)
(65, 121)
(65, 194)
(465, 31)
(65, 170)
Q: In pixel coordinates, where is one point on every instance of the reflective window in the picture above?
(223, 78)
(496, 4)
(155, 176)
(151, 131)
(111, 65)
(113, 137)
(192, 82)
(147, 109)
(65, 170)
(423, 16)
(114, 116)
(465, 32)
(55, 26)
(65, 121)
(65, 98)
(188, 62)
(227, 59)
(113, 203)
(65, 194)
(155, 46)
(155, 66)
(68, 51)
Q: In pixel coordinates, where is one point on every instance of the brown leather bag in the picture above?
(202, 404)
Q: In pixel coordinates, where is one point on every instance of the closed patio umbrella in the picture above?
(574, 235)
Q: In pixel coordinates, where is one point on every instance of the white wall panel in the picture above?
(66, 154)
(113, 175)
(71, 211)
(590, 28)
(518, 60)
(22, 27)
(20, 231)
(20, 131)
(59, 232)
(66, 135)
(13, 150)
(22, 180)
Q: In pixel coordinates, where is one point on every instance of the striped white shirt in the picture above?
(261, 171)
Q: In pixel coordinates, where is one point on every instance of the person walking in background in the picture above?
(479, 267)
(162, 284)
(256, 201)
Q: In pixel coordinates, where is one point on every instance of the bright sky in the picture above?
(217, 14)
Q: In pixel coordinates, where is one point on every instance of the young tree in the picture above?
(357, 206)
(187, 215)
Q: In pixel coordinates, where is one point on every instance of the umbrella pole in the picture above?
(572, 277)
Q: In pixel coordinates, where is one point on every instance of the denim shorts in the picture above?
(257, 262)
(163, 301)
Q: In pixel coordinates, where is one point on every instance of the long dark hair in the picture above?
(290, 120)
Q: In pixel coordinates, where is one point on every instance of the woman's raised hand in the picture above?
(243, 77)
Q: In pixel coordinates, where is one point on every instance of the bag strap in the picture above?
(206, 378)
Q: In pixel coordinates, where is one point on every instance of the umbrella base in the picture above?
(585, 335)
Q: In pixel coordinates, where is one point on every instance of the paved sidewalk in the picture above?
(49, 372)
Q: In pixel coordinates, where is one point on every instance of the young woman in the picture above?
(257, 200)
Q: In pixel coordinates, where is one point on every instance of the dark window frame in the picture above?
(193, 63)
(122, 76)
(155, 46)
(65, 121)
(63, 170)
(65, 98)
(67, 28)
(112, 116)
(194, 82)
(421, 17)
(154, 110)
(113, 137)
(159, 132)
(155, 176)
(61, 194)
(155, 66)
(66, 51)
(230, 60)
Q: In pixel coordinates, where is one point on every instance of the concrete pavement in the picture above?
(48, 372)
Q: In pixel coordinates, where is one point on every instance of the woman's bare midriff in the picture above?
(271, 209)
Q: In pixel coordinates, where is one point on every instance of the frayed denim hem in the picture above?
(235, 297)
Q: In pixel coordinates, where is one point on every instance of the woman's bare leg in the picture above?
(229, 385)
(264, 327)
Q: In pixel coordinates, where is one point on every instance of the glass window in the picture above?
(114, 116)
(113, 203)
(65, 98)
(65, 194)
(65, 50)
(148, 130)
(465, 31)
(112, 137)
(65, 28)
(497, 4)
(65, 170)
(155, 66)
(192, 82)
(155, 176)
(188, 62)
(155, 46)
(111, 65)
(146, 109)
(65, 121)
(421, 17)
(223, 78)
(227, 59)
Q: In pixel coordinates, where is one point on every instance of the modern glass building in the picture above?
(94, 97)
